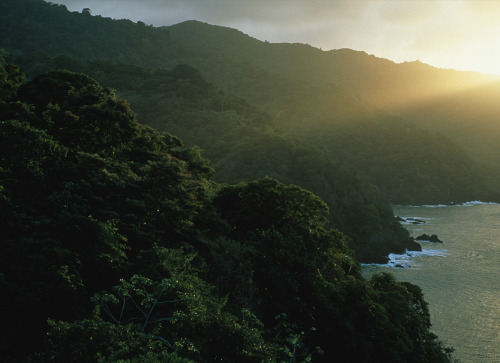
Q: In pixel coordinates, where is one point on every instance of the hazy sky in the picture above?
(460, 34)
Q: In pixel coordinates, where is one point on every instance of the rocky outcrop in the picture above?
(432, 238)
(411, 245)
(409, 220)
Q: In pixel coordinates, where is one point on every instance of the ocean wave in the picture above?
(432, 252)
(465, 204)
(415, 220)
(431, 205)
(408, 259)
(476, 202)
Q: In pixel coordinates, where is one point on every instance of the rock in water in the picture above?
(411, 245)
(425, 237)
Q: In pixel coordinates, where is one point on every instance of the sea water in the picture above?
(460, 278)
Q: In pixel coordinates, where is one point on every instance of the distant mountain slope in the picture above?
(118, 246)
(29, 26)
(308, 92)
(461, 105)
(379, 81)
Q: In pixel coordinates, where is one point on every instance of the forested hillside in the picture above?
(129, 245)
(118, 246)
(450, 117)
(242, 142)
(347, 103)
(303, 83)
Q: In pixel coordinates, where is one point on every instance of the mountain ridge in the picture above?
(119, 246)
(381, 84)
(303, 95)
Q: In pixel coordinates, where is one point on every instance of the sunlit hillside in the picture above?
(120, 243)
(322, 98)
(462, 105)
(190, 193)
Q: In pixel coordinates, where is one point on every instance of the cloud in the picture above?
(409, 13)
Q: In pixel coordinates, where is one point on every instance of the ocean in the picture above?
(460, 278)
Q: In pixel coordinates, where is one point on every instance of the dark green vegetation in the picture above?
(129, 243)
(117, 245)
(369, 114)
(240, 139)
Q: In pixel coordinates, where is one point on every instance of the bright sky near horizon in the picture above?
(459, 34)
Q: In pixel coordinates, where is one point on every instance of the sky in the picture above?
(458, 34)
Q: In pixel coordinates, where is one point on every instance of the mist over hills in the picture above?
(246, 256)
(307, 89)
(461, 105)
(304, 89)
(322, 117)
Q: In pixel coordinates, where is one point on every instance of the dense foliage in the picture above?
(316, 133)
(118, 246)
(243, 144)
(321, 98)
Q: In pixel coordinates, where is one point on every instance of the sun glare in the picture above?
(482, 56)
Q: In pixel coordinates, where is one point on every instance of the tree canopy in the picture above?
(119, 246)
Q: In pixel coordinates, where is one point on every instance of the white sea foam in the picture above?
(465, 204)
(415, 220)
(423, 205)
(409, 258)
(431, 205)
(476, 202)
